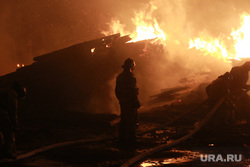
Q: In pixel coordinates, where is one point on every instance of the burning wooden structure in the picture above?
(74, 78)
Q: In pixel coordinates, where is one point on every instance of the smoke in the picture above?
(30, 28)
(183, 20)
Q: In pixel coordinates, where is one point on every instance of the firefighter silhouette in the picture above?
(239, 89)
(9, 118)
(234, 87)
(219, 87)
(240, 78)
(127, 94)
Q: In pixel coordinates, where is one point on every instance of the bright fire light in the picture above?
(92, 50)
(226, 47)
(209, 47)
(241, 38)
(146, 25)
(20, 65)
(216, 46)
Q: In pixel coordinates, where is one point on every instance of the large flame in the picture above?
(210, 46)
(227, 47)
(146, 26)
(217, 47)
(241, 38)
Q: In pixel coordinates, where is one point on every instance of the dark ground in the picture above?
(38, 129)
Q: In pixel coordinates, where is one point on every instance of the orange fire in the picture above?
(209, 46)
(241, 38)
(226, 47)
(20, 65)
(217, 46)
(146, 25)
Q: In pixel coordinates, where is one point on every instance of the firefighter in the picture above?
(8, 118)
(216, 90)
(239, 89)
(127, 94)
(240, 78)
(219, 87)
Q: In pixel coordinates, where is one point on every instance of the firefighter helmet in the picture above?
(129, 63)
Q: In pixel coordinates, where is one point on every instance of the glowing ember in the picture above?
(146, 25)
(216, 46)
(92, 50)
(20, 65)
